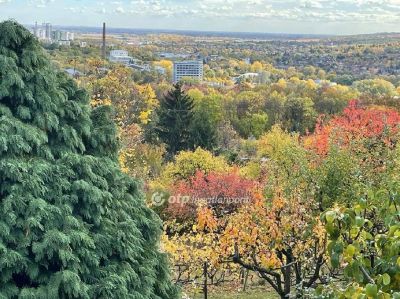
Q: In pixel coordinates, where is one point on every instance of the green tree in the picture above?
(206, 120)
(364, 245)
(246, 115)
(299, 114)
(274, 108)
(175, 116)
(375, 88)
(72, 224)
(252, 125)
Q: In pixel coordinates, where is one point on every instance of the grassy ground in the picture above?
(239, 295)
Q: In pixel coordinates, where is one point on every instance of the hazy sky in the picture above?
(279, 16)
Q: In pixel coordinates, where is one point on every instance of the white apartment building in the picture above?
(46, 33)
(120, 56)
(40, 33)
(189, 69)
(64, 43)
(49, 29)
(62, 35)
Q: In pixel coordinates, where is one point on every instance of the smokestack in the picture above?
(103, 48)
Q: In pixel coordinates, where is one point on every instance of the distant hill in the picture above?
(358, 38)
(240, 35)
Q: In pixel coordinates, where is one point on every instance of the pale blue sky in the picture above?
(275, 16)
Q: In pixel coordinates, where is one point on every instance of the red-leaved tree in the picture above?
(222, 192)
(356, 123)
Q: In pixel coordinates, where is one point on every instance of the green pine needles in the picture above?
(71, 224)
(175, 118)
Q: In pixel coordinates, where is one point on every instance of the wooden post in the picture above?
(205, 290)
(245, 280)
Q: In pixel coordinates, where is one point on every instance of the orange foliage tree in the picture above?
(280, 240)
(356, 123)
(352, 150)
(195, 224)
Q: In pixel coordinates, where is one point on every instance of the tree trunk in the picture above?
(205, 290)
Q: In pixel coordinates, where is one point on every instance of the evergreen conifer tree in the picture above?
(71, 224)
(175, 116)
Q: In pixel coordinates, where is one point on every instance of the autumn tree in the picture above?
(375, 88)
(246, 115)
(185, 165)
(368, 125)
(207, 117)
(280, 237)
(282, 240)
(72, 225)
(274, 107)
(223, 193)
(134, 109)
(332, 99)
(299, 114)
(115, 88)
(193, 226)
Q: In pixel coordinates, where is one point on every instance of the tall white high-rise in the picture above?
(49, 30)
(188, 69)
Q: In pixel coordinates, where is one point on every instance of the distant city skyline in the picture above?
(270, 16)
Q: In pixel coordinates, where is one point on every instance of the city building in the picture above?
(120, 56)
(48, 30)
(173, 56)
(64, 43)
(60, 35)
(39, 32)
(46, 33)
(188, 69)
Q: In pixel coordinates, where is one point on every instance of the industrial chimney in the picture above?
(103, 48)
